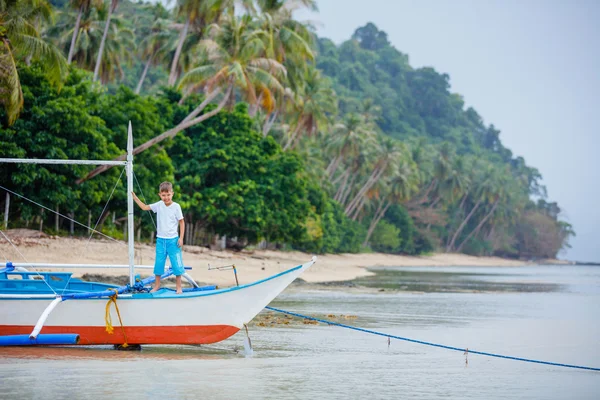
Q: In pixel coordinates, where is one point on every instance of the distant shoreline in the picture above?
(250, 265)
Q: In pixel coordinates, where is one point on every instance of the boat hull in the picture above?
(201, 317)
(97, 335)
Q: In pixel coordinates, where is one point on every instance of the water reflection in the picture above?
(107, 353)
(454, 281)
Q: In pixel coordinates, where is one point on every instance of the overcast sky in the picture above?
(530, 67)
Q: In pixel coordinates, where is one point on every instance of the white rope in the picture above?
(4, 255)
(104, 209)
(144, 197)
(13, 245)
(64, 216)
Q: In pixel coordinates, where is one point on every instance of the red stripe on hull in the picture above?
(90, 335)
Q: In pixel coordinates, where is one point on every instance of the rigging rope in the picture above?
(144, 198)
(465, 351)
(13, 245)
(100, 217)
(64, 216)
(108, 319)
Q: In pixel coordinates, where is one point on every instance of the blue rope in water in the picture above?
(431, 344)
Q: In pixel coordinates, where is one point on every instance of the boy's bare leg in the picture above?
(178, 284)
(156, 283)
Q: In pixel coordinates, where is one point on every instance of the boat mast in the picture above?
(130, 225)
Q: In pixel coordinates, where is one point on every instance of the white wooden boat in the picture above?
(59, 304)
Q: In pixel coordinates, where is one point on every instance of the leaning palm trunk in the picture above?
(254, 107)
(269, 123)
(333, 165)
(381, 210)
(146, 68)
(103, 42)
(186, 123)
(375, 175)
(292, 137)
(348, 189)
(74, 37)
(461, 227)
(479, 226)
(359, 208)
(173, 74)
(340, 192)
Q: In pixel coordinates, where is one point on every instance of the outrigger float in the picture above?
(42, 308)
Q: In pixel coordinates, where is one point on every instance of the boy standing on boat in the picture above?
(168, 215)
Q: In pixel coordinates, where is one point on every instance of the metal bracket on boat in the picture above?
(224, 268)
(248, 343)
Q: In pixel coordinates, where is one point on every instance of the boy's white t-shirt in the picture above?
(168, 219)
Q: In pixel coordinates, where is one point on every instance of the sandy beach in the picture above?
(251, 265)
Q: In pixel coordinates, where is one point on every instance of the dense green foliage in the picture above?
(270, 134)
(238, 183)
(463, 165)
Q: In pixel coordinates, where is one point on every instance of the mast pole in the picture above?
(130, 225)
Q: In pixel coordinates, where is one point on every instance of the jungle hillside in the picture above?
(272, 136)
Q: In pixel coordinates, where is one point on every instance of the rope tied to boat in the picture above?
(465, 351)
(108, 319)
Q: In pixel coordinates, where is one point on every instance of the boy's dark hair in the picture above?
(165, 187)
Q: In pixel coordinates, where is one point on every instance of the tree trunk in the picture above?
(269, 123)
(374, 177)
(74, 37)
(189, 228)
(186, 123)
(461, 227)
(437, 199)
(358, 209)
(481, 223)
(146, 68)
(71, 223)
(292, 137)
(42, 220)
(56, 220)
(378, 215)
(348, 189)
(332, 167)
(340, 192)
(103, 42)
(6, 210)
(424, 196)
(462, 203)
(173, 74)
(254, 107)
(102, 219)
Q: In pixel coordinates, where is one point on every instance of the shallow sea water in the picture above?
(549, 313)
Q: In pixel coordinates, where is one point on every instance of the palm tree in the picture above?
(111, 9)
(117, 43)
(400, 186)
(81, 6)
(19, 38)
(387, 156)
(155, 48)
(231, 58)
(346, 140)
(313, 106)
(487, 191)
(198, 13)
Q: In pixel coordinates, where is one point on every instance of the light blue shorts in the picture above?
(168, 247)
